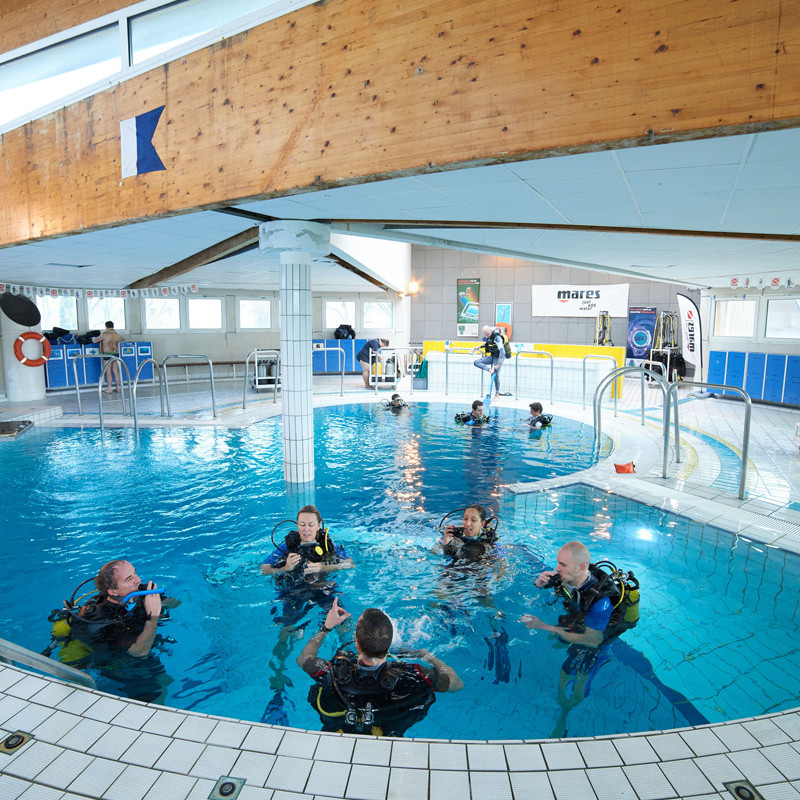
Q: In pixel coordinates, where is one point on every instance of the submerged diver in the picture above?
(474, 417)
(117, 630)
(299, 565)
(599, 606)
(363, 692)
(539, 419)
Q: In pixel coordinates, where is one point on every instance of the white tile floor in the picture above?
(89, 746)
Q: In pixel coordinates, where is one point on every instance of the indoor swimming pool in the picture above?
(193, 509)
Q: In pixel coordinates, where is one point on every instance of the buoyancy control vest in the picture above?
(469, 548)
(466, 418)
(491, 348)
(384, 702)
(322, 550)
(622, 590)
(542, 421)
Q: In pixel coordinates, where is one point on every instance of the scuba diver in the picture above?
(600, 602)
(496, 350)
(396, 404)
(474, 417)
(537, 418)
(477, 559)
(299, 564)
(115, 631)
(364, 692)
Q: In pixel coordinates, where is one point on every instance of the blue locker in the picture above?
(754, 377)
(791, 386)
(73, 350)
(127, 352)
(92, 367)
(734, 372)
(716, 366)
(774, 377)
(318, 355)
(55, 370)
(357, 345)
(144, 350)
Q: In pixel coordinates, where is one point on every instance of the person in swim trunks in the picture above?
(109, 348)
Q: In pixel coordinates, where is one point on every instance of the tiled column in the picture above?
(298, 243)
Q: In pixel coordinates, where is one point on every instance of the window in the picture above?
(378, 314)
(32, 81)
(58, 312)
(162, 29)
(162, 313)
(255, 313)
(340, 312)
(108, 309)
(205, 313)
(783, 319)
(734, 318)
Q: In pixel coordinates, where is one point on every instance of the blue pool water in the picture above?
(193, 509)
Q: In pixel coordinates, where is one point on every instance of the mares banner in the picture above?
(691, 333)
(641, 325)
(468, 300)
(580, 300)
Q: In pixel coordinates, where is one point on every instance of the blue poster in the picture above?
(641, 325)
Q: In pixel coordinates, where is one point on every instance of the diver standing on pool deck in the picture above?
(496, 349)
(363, 692)
(363, 356)
(600, 604)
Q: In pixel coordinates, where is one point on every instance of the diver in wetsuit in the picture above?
(363, 692)
(118, 638)
(299, 565)
(599, 606)
(474, 417)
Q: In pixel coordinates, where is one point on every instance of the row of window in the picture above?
(200, 313)
(739, 318)
(58, 70)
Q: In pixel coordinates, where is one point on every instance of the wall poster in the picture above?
(502, 313)
(468, 294)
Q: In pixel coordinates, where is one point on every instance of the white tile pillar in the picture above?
(297, 242)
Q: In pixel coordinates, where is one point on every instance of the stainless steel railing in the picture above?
(210, 376)
(592, 357)
(156, 372)
(745, 436)
(11, 653)
(516, 368)
(265, 355)
(608, 380)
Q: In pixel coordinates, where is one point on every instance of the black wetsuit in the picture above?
(109, 630)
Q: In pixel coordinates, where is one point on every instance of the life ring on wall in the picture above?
(505, 327)
(31, 362)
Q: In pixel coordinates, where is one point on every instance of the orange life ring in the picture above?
(506, 327)
(31, 362)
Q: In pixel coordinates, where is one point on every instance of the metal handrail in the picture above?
(448, 346)
(74, 360)
(342, 359)
(411, 351)
(256, 353)
(594, 357)
(538, 353)
(107, 366)
(608, 380)
(210, 374)
(156, 372)
(745, 436)
(11, 653)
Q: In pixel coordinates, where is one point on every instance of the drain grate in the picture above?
(743, 790)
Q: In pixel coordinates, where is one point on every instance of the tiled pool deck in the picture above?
(88, 745)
